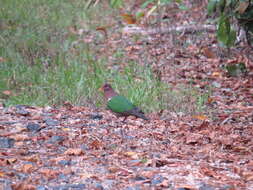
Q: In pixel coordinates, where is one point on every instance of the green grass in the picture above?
(45, 64)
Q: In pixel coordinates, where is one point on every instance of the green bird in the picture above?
(120, 104)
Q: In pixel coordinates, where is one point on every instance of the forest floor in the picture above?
(75, 147)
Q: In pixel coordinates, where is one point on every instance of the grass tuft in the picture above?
(45, 64)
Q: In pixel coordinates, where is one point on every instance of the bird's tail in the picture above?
(139, 113)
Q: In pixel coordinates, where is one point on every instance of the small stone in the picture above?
(139, 178)
(216, 84)
(77, 186)
(51, 122)
(33, 127)
(63, 177)
(98, 186)
(96, 117)
(85, 147)
(108, 184)
(62, 187)
(56, 139)
(6, 142)
(22, 111)
(157, 179)
(206, 187)
(227, 187)
(65, 162)
(21, 176)
(70, 186)
(41, 188)
(133, 188)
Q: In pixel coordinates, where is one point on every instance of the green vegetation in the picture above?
(231, 13)
(43, 63)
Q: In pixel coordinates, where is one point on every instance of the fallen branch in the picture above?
(185, 29)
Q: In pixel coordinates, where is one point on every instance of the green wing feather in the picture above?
(119, 104)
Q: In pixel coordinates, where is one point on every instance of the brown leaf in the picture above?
(27, 168)
(11, 160)
(208, 52)
(50, 174)
(33, 158)
(243, 5)
(193, 138)
(7, 92)
(74, 151)
(200, 117)
(248, 176)
(2, 174)
(128, 18)
(217, 74)
(23, 186)
(96, 144)
(20, 137)
(133, 155)
(102, 29)
(207, 171)
(2, 59)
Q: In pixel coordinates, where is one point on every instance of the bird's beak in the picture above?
(101, 89)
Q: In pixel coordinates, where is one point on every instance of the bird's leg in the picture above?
(125, 117)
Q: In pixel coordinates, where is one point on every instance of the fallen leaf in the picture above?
(128, 18)
(216, 74)
(133, 155)
(2, 174)
(2, 59)
(193, 138)
(11, 160)
(208, 52)
(96, 144)
(50, 174)
(243, 5)
(23, 186)
(200, 117)
(7, 92)
(27, 168)
(74, 151)
(20, 137)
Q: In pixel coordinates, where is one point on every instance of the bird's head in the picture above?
(106, 88)
(108, 91)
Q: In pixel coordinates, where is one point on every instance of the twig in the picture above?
(185, 29)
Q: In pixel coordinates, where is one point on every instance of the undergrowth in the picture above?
(44, 64)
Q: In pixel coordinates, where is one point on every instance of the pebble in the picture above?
(216, 84)
(56, 139)
(108, 184)
(133, 188)
(70, 186)
(33, 127)
(41, 188)
(21, 176)
(157, 179)
(96, 117)
(63, 177)
(98, 186)
(65, 162)
(206, 187)
(51, 122)
(84, 147)
(5, 184)
(227, 187)
(22, 112)
(139, 178)
(6, 142)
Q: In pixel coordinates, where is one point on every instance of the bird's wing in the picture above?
(119, 104)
